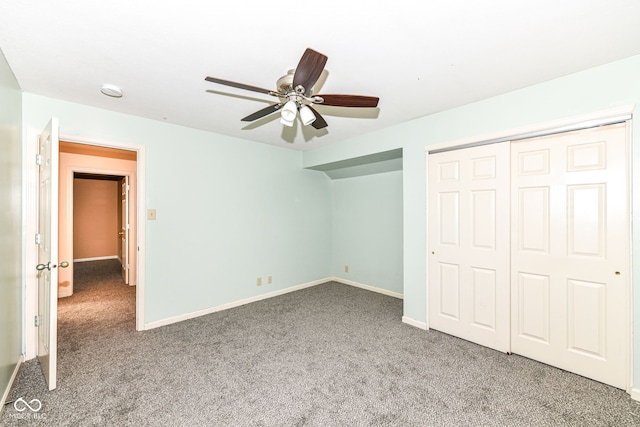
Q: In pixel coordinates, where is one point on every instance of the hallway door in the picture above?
(124, 228)
(46, 321)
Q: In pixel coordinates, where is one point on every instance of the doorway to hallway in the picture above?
(97, 170)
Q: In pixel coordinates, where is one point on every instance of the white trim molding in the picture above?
(97, 258)
(5, 395)
(635, 394)
(565, 124)
(368, 287)
(411, 322)
(221, 307)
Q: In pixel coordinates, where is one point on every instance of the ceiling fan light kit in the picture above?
(295, 93)
(289, 111)
(306, 115)
(285, 122)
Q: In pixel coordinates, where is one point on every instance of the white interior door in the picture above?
(469, 244)
(570, 252)
(124, 230)
(47, 241)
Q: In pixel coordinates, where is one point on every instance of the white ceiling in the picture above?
(419, 57)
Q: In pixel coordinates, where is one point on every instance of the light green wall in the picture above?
(612, 85)
(228, 210)
(10, 224)
(367, 230)
(242, 210)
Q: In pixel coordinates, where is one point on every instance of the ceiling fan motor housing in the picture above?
(285, 83)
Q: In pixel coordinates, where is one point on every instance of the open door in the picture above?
(46, 238)
(124, 228)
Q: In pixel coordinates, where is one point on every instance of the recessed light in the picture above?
(111, 90)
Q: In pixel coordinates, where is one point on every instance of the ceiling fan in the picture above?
(295, 93)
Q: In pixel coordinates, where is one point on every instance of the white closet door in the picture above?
(570, 252)
(469, 244)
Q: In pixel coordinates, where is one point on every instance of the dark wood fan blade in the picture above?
(261, 113)
(309, 69)
(349, 101)
(238, 85)
(319, 122)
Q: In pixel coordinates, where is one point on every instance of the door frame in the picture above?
(603, 117)
(29, 208)
(72, 170)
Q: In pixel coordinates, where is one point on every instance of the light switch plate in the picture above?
(151, 214)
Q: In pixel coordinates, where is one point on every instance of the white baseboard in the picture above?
(635, 394)
(227, 306)
(367, 287)
(98, 258)
(415, 323)
(186, 316)
(5, 395)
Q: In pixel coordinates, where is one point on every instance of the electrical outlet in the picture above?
(269, 280)
(346, 268)
(259, 281)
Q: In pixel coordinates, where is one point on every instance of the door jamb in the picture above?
(29, 193)
(140, 217)
(70, 196)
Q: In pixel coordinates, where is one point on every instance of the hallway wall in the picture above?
(95, 218)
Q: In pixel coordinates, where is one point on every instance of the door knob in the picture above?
(41, 267)
(48, 266)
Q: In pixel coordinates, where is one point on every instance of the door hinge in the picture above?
(38, 238)
(36, 320)
(128, 187)
(39, 159)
